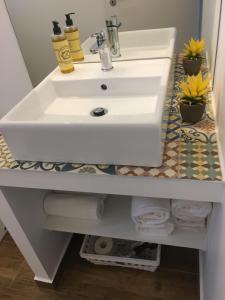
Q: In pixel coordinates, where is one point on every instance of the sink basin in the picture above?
(55, 122)
(139, 44)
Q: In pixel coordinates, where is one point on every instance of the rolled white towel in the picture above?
(82, 206)
(150, 211)
(194, 225)
(164, 229)
(191, 210)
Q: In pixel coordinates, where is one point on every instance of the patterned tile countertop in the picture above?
(191, 151)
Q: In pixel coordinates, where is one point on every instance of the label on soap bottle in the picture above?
(63, 56)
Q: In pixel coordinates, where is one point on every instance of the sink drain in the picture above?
(99, 112)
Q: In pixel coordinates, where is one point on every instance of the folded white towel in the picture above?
(150, 211)
(164, 229)
(191, 210)
(194, 225)
(75, 205)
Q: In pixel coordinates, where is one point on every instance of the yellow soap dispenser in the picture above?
(73, 37)
(62, 50)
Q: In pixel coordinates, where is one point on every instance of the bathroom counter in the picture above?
(190, 171)
(191, 156)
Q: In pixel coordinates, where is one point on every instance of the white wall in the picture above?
(33, 27)
(15, 82)
(214, 259)
(32, 23)
(210, 27)
(219, 83)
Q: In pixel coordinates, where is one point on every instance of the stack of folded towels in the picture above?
(191, 215)
(152, 216)
(75, 205)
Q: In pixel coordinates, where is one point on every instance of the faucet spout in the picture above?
(101, 47)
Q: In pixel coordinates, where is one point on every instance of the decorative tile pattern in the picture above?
(198, 155)
(66, 167)
(199, 161)
(6, 159)
(190, 152)
(169, 169)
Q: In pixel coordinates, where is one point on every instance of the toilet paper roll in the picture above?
(82, 206)
(103, 246)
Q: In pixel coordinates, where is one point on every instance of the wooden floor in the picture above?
(176, 279)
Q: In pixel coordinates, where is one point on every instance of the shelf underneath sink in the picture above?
(117, 223)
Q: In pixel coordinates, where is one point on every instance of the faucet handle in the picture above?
(109, 23)
(94, 34)
(100, 37)
(119, 24)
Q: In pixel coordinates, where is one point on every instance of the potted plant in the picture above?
(193, 97)
(192, 56)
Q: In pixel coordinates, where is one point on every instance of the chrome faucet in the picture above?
(112, 26)
(101, 47)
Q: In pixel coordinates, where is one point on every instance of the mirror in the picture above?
(32, 23)
(211, 13)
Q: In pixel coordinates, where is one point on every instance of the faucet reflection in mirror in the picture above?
(112, 26)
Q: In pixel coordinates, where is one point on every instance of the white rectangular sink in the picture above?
(54, 122)
(139, 44)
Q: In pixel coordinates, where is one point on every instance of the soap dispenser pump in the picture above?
(73, 37)
(62, 50)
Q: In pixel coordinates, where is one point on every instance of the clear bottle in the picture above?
(62, 49)
(73, 37)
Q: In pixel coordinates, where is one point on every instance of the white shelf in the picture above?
(118, 224)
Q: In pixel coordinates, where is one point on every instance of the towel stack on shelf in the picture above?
(152, 216)
(75, 205)
(190, 215)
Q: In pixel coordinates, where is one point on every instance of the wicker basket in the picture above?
(120, 255)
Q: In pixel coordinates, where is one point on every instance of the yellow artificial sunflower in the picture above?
(194, 89)
(194, 48)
